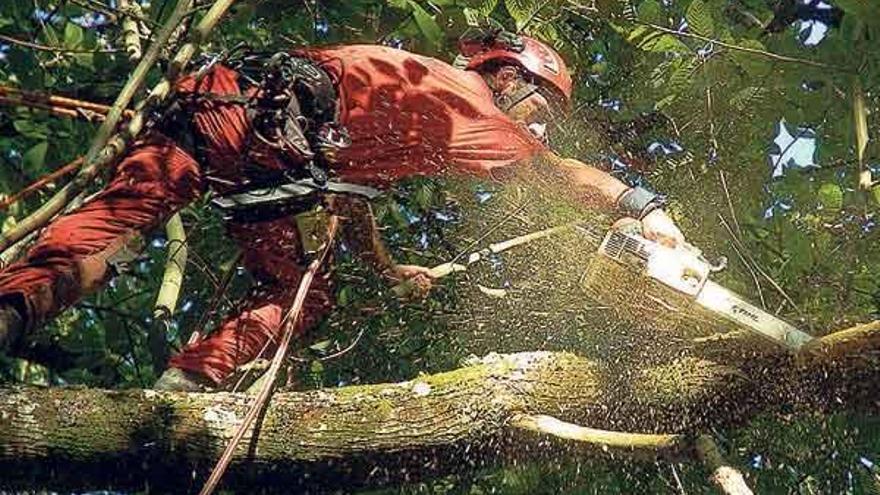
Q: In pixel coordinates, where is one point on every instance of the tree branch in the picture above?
(54, 49)
(728, 479)
(569, 431)
(370, 435)
(755, 51)
(106, 146)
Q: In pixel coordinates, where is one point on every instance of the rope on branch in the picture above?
(288, 324)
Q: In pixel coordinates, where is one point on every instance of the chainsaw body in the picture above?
(685, 270)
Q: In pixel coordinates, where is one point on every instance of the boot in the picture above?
(11, 326)
(178, 380)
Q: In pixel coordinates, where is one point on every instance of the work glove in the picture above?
(658, 227)
(413, 281)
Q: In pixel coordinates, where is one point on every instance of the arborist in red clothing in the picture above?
(335, 120)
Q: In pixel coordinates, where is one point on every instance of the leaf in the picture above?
(864, 10)
(34, 158)
(651, 11)
(755, 65)
(748, 97)
(663, 43)
(423, 196)
(73, 35)
(427, 25)
(8, 224)
(681, 78)
(522, 11)
(31, 129)
(316, 367)
(875, 194)
(344, 296)
(665, 102)
(321, 346)
(831, 196)
(485, 7)
(699, 19)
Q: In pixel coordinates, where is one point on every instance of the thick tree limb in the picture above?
(375, 434)
(844, 345)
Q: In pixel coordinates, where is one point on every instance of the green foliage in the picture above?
(821, 250)
(699, 18)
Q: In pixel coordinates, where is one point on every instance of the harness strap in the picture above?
(285, 199)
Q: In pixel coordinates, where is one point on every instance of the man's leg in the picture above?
(71, 258)
(273, 254)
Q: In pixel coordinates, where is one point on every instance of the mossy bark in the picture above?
(375, 434)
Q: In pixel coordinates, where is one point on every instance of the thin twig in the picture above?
(39, 183)
(219, 292)
(55, 49)
(26, 97)
(336, 354)
(745, 262)
(678, 484)
(768, 277)
(729, 202)
(756, 51)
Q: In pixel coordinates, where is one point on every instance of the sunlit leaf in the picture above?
(427, 25)
(651, 11)
(831, 196)
(699, 19)
(73, 35)
(33, 159)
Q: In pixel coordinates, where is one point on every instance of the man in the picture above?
(405, 115)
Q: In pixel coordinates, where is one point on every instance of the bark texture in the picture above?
(376, 434)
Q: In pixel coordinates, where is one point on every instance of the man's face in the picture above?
(533, 113)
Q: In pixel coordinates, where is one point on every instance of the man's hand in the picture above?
(658, 227)
(418, 280)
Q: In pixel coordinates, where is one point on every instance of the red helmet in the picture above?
(537, 59)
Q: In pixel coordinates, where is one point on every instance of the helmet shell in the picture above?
(537, 59)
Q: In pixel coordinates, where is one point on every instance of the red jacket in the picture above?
(406, 115)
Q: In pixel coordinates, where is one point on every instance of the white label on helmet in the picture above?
(550, 62)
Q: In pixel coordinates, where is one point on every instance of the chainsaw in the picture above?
(683, 269)
(686, 271)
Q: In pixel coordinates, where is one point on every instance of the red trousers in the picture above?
(70, 259)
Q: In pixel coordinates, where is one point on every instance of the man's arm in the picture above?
(361, 233)
(594, 187)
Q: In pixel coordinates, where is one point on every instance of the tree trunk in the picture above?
(377, 434)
